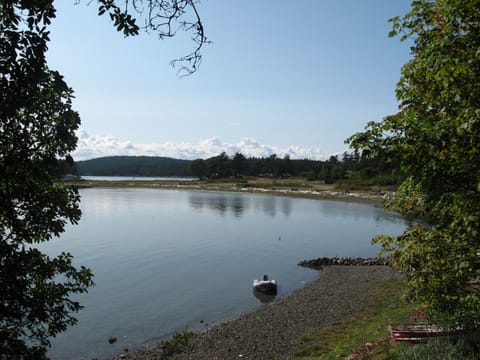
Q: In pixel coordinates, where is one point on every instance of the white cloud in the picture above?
(93, 146)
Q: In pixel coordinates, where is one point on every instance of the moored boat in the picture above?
(265, 285)
(417, 332)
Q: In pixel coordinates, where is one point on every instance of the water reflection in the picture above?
(286, 205)
(219, 203)
(202, 250)
(263, 297)
(269, 205)
(239, 204)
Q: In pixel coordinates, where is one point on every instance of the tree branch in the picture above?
(163, 17)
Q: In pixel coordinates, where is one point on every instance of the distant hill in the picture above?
(132, 166)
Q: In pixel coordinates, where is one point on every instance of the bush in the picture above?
(441, 349)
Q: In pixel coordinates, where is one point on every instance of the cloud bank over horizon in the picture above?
(94, 146)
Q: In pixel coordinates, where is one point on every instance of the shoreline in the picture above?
(277, 329)
(281, 328)
(294, 188)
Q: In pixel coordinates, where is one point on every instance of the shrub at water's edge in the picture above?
(434, 138)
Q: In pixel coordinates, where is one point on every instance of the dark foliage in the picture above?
(37, 126)
(132, 166)
(435, 139)
(222, 166)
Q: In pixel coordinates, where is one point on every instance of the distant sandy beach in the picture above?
(282, 187)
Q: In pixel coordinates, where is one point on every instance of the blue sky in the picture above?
(280, 77)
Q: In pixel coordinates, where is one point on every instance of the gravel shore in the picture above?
(276, 330)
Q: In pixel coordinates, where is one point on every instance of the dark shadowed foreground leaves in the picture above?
(37, 127)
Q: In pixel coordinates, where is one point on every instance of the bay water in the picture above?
(167, 260)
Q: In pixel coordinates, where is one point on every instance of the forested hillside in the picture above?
(132, 166)
(346, 168)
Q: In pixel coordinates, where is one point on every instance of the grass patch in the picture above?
(437, 349)
(368, 329)
(177, 344)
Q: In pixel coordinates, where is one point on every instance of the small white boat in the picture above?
(265, 285)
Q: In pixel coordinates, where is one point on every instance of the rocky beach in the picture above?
(278, 330)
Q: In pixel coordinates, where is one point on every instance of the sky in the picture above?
(279, 77)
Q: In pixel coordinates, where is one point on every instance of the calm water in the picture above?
(165, 260)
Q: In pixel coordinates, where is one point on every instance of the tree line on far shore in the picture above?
(347, 167)
(431, 145)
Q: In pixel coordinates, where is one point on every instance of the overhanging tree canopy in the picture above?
(435, 137)
(163, 18)
(37, 127)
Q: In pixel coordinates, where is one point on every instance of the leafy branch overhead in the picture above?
(164, 18)
(37, 128)
(434, 138)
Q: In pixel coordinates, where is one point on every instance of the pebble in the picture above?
(338, 294)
